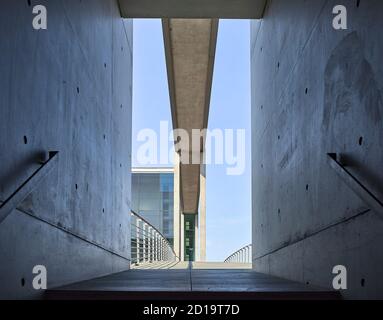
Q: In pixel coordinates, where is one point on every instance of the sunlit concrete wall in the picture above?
(68, 88)
(317, 90)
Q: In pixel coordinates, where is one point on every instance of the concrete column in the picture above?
(182, 234)
(177, 206)
(197, 240)
(202, 211)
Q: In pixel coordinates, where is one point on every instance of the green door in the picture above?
(189, 236)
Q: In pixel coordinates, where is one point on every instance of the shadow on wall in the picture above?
(352, 95)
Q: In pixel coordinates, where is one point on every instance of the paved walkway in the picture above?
(190, 281)
(194, 265)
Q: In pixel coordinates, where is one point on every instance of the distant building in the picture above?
(156, 197)
(153, 197)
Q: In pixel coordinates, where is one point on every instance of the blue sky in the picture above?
(228, 206)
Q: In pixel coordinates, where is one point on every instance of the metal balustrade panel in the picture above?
(148, 245)
(242, 255)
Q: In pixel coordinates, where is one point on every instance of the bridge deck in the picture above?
(196, 281)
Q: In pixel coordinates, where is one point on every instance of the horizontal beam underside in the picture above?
(229, 9)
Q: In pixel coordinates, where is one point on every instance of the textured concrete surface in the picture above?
(190, 52)
(317, 90)
(177, 217)
(201, 246)
(186, 281)
(248, 9)
(68, 89)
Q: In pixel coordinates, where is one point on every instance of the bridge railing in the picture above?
(148, 245)
(242, 255)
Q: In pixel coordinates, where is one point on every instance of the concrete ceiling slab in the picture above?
(230, 9)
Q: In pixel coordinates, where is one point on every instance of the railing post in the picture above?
(147, 233)
(155, 245)
(151, 244)
(159, 249)
(147, 243)
(137, 241)
(143, 242)
(162, 250)
(167, 252)
(242, 255)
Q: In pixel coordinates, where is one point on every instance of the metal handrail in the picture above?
(371, 199)
(148, 244)
(242, 255)
(28, 185)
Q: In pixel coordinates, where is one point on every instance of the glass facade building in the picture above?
(153, 197)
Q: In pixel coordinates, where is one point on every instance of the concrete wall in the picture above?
(317, 90)
(69, 89)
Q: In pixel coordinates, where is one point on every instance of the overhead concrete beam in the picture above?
(230, 9)
(190, 51)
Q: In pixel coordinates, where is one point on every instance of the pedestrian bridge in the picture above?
(194, 280)
(157, 273)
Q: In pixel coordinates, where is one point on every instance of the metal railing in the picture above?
(242, 255)
(339, 165)
(28, 185)
(148, 245)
